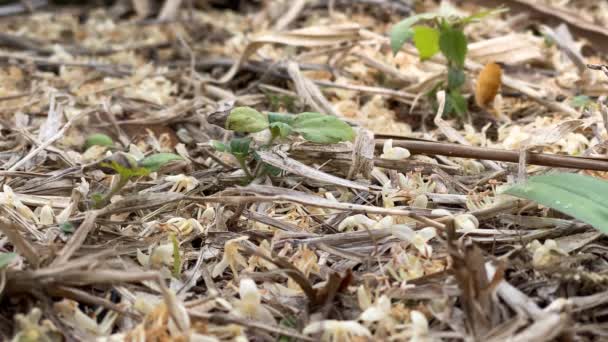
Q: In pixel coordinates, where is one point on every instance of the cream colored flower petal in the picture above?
(420, 201)
(427, 233)
(363, 297)
(143, 259)
(403, 232)
(465, 223)
(372, 314)
(219, 268)
(388, 145)
(385, 222)
(46, 215)
(420, 325)
(248, 291)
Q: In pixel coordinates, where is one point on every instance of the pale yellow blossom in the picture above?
(334, 331)
(396, 153)
(250, 303)
(418, 238)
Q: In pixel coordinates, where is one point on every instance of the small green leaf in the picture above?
(97, 199)
(280, 117)
(582, 197)
(67, 227)
(455, 78)
(125, 172)
(239, 147)
(219, 146)
(453, 44)
(426, 40)
(6, 258)
(99, 139)
(402, 31)
(580, 101)
(280, 129)
(321, 128)
(246, 120)
(272, 170)
(156, 161)
(459, 103)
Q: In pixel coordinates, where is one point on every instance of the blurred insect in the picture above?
(488, 84)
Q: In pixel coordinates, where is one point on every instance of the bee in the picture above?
(488, 84)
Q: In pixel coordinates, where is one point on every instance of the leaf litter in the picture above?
(126, 214)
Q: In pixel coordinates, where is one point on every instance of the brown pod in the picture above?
(488, 83)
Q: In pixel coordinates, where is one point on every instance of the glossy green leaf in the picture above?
(280, 117)
(156, 161)
(426, 40)
(453, 45)
(280, 129)
(321, 128)
(239, 147)
(246, 120)
(402, 31)
(68, 227)
(6, 258)
(99, 139)
(582, 197)
(458, 102)
(219, 146)
(455, 78)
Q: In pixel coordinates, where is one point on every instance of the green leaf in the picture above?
(239, 147)
(272, 170)
(155, 161)
(458, 102)
(125, 171)
(246, 120)
(280, 117)
(67, 227)
(220, 146)
(321, 128)
(280, 129)
(580, 101)
(99, 139)
(453, 45)
(426, 40)
(6, 258)
(402, 31)
(582, 197)
(455, 78)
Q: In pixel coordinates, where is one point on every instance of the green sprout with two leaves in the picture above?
(125, 166)
(313, 127)
(441, 31)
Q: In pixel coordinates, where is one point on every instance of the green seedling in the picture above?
(128, 168)
(313, 127)
(435, 32)
(98, 139)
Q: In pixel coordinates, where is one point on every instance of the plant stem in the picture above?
(245, 168)
(122, 181)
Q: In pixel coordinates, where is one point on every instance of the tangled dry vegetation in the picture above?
(401, 234)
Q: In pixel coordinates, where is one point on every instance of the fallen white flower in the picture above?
(333, 330)
(395, 153)
(418, 238)
(250, 303)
